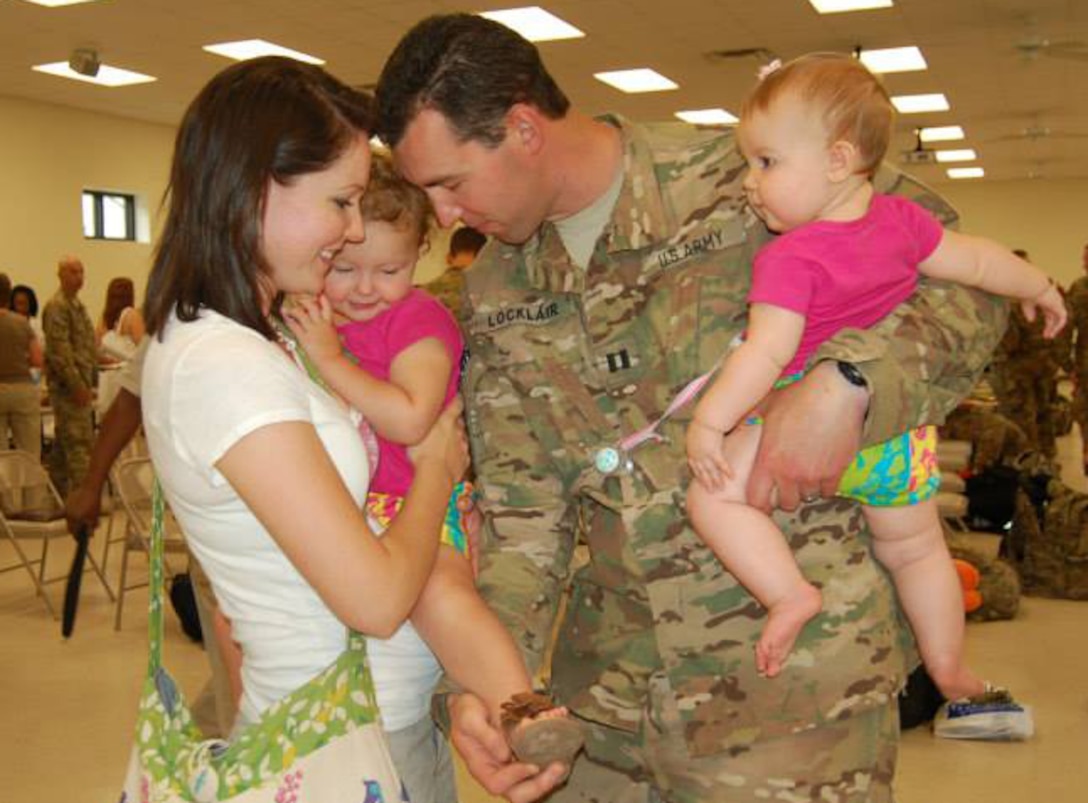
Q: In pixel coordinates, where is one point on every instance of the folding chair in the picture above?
(111, 500)
(133, 480)
(31, 509)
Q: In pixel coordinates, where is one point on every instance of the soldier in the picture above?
(1023, 375)
(618, 272)
(1077, 300)
(70, 352)
(465, 244)
(994, 438)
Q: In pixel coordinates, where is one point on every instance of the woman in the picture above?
(263, 468)
(121, 327)
(20, 399)
(25, 301)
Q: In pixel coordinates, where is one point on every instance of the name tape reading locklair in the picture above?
(537, 313)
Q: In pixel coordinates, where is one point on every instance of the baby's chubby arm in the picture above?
(401, 410)
(978, 262)
(748, 374)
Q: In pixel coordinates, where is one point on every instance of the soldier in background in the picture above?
(70, 358)
(994, 438)
(465, 244)
(1077, 301)
(1024, 375)
(618, 272)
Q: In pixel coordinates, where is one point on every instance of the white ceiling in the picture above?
(1026, 117)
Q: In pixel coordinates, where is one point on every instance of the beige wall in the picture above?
(48, 155)
(1048, 219)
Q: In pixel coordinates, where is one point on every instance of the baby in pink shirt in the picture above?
(813, 133)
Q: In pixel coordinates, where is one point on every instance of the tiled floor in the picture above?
(66, 708)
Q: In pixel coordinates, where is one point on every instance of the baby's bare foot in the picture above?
(539, 732)
(785, 620)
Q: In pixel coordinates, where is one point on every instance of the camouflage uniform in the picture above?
(70, 364)
(655, 649)
(447, 288)
(994, 438)
(1077, 301)
(1023, 375)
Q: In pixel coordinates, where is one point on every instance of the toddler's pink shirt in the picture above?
(842, 275)
(377, 342)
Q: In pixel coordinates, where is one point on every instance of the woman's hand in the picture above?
(445, 443)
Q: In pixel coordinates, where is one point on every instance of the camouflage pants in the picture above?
(850, 761)
(1080, 405)
(73, 431)
(1026, 397)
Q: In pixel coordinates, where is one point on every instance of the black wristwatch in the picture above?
(852, 374)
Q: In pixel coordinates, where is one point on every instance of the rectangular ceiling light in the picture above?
(534, 23)
(838, 6)
(252, 48)
(914, 104)
(962, 155)
(943, 133)
(57, 3)
(708, 117)
(642, 79)
(894, 59)
(965, 172)
(107, 75)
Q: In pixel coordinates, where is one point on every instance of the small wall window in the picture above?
(109, 215)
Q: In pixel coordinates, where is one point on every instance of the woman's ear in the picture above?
(842, 160)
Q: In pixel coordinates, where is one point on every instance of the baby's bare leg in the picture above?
(910, 543)
(753, 549)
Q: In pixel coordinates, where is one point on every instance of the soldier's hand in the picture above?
(811, 432)
(487, 755)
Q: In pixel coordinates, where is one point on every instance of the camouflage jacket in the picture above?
(1077, 302)
(70, 350)
(1024, 351)
(447, 289)
(565, 361)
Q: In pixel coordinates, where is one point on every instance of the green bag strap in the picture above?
(155, 567)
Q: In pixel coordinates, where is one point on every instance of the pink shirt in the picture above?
(377, 342)
(842, 275)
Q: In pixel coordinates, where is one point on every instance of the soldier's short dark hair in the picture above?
(263, 120)
(471, 70)
(467, 239)
(5, 290)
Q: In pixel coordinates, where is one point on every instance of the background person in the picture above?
(1077, 300)
(465, 244)
(1024, 377)
(25, 301)
(621, 275)
(70, 371)
(20, 399)
(121, 327)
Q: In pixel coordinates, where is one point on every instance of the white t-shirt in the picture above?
(210, 383)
